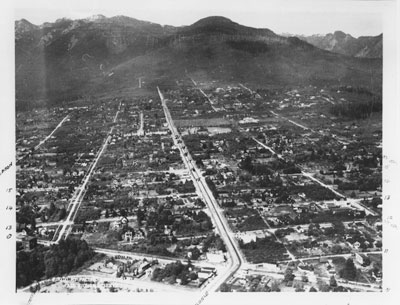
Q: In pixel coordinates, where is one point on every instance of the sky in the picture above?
(358, 18)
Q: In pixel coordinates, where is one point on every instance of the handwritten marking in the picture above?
(6, 168)
(203, 297)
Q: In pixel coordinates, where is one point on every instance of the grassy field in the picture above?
(202, 122)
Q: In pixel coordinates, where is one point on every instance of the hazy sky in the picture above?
(297, 17)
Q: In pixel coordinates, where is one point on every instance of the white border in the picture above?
(391, 114)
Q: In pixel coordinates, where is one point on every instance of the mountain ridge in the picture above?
(346, 44)
(70, 58)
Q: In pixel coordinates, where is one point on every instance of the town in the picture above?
(199, 185)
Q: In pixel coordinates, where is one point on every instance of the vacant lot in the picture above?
(202, 122)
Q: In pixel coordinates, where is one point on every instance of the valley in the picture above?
(211, 157)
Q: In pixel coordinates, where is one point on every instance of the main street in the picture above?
(219, 220)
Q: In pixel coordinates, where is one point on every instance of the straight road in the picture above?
(105, 281)
(159, 258)
(205, 95)
(251, 91)
(205, 192)
(344, 283)
(77, 199)
(309, 258)
(268, 148)
(308, 175)
(48, 137)
(335, 137)
(355, 202)
(51, 134)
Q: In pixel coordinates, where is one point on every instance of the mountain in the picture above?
(71, 58)
(339, 42)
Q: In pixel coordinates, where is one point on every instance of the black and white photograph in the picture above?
(200, 152)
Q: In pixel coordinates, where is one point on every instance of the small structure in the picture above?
(29, 243)
(128, 236)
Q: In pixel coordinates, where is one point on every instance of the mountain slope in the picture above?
(339, 42)
(67, 59)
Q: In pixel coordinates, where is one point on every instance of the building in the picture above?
(206, 273)
(246, 237)
(29, 243)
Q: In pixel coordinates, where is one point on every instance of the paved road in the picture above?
(205, 192)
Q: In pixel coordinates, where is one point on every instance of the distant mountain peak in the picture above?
(217, 25)
(23, 26)
(342, 35)
(342, 43)
(66, 59)
(213, 20)
(97, 17)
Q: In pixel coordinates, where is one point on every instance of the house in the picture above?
(206, 273)
(356, 245)
(29, 243)
(246, 237)
(359, 258)
(122, 222)
(143, 266)
(128, 236)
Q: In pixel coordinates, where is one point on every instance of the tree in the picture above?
(332, 281)
(225, 288)
(193, 276)
(336, 249)
(172, 280)
(62, 214)
(322, 286)
(52, 209)
(26, 215)
(275, 286)
(289, 276)
(219, 244)
(184, 280)
(349, 271)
